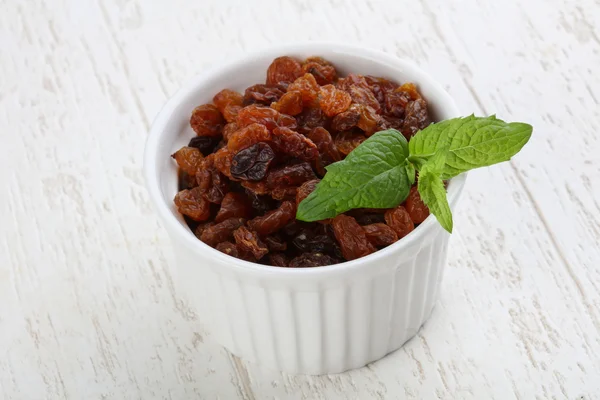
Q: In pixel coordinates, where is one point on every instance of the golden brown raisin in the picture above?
(206, 120)
(290, 103)
(294, 144)
(190, 202)
(380, 235)
(247, 136)
(231, 112)
(221, 232)
(346, 120)
(185, 180)
(399, 220)
(348, 141)
(227, 97)
(229, 129)
(308, 88)
(363, 96)
(248, 241)
(222, 161)
(253, 162)
(351, 237)
(322, 70)
(284, 193)
(305, 189)
(417, 210)
(189, 159)
(273, 220)
(283, 69)
(334, 101)
(313, 259)
(201, 228)
(266, 116)
(369, 119)
(259, 188)
(263, 94)
(228, 248)
(328, 151)
(234, 205)
(352, 80)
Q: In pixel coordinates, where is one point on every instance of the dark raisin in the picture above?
(234, 205)
(316, 238)
(351, 237)
(328, 151)
(294, 144)
(311, 118)
(253, 162)
(186, 181)
(417, 117)
(278, 259)
(314, 259)
(206, 144)
(275, 243)
(228, 248)
(290, 175)
(380, 234)
(260, 204)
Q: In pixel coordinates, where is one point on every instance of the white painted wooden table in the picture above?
(88, 304)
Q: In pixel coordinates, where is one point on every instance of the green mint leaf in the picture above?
(472, 142)
(411, 172)
(433, 193)
(374, 175)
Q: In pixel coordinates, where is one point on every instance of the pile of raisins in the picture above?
(257, 155)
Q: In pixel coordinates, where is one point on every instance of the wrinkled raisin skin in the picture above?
(234, 205)
(192, 203)
(275, 243)
(278, 259)
(305, 189)
(380, 235)
(417, 210)
(399, 220)
(228, 248)
(227, 97)
(417, 117)
(253, 162)
(221, 232)
(206, 120)
(313, 259)
(348, 141)
(322, 70)
(248, 241)
(283, 69)
(273, 220)
(334, 101)
(266, 116)
(308, 88)
(206, 144)
(290, 175)
(328, 151)
(351, 237)
(290, 103)
(189, 159)
(294, 144)
(263, 94)
(316, 238)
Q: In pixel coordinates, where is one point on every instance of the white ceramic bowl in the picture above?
(310, 320)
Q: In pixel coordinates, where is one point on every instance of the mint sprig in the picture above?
(380, 171)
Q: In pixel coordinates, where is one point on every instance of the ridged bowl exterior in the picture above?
(307, 320)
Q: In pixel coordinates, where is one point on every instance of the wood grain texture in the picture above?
(88, 300)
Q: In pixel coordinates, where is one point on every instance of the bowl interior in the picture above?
(171, 129)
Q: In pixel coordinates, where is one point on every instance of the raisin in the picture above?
(201, 228)
(206, 144)
(311, 118)
(229, 130)
(315, 238)
(305, 189)
(386, 122)
(290, 175)
(273, 220)
(351, 237)
(395, 103)
(346, 120)
(185, 180)
(227, 97)
(213, 184)
(260, 204)
(253, 162)
(190, 202)
(367, 218)
(189, 159)
(294, 144)
(417, 117)
(284, 193)
(365, 97)
(221, 232)
(352, 80)
(314, 259)
(234, 205)
(263, 94)
(231, 112)
(399, 220)
(259, 187)
(380, 87)
(206, 120)
(417, 210)
(228, 248)
(278, 259)
(328, 151)
(248, 241)
(275, 243)
(283, 69)
(348, 141)
(369, 119)
(247, 136)
(334, 101)
(265, 116)
(380, 235)
(290, 103)
(322, 70)
(222, 160)
(308, 88)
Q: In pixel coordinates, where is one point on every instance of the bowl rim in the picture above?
(184, 235)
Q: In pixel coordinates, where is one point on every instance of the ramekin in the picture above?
(310, 320)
